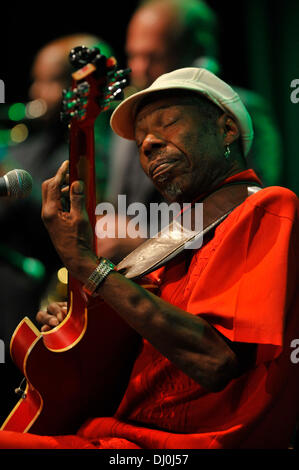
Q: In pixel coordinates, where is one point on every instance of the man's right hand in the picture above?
(51, 317)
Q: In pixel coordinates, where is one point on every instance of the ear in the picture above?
(228, 129)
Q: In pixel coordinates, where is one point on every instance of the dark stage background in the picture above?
(259, 49)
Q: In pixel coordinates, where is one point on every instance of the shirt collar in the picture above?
(247, 176)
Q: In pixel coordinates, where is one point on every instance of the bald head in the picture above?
(164, 35)
(150, 43)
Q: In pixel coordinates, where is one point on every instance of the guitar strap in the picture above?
(172, 240)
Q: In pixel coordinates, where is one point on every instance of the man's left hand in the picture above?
(71, 232)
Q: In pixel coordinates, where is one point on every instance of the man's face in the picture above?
(48, 74)
(149, 47)
(180, 153)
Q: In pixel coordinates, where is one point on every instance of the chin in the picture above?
(172, 192)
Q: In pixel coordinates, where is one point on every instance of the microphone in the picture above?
(16, 184)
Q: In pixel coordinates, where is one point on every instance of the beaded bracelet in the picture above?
(97, 276)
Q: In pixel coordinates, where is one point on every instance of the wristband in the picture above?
(97, 276)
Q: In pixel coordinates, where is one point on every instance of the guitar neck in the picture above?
(95, 83)
(82, 163)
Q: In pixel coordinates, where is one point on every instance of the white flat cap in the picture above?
(194, 79)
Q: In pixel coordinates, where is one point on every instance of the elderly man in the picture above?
(215, 368)
(164, 35)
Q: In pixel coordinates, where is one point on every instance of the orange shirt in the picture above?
(243, 282)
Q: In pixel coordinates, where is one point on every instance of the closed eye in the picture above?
(170, 123)
(139, 137)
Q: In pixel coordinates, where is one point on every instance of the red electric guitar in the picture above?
(80, 368)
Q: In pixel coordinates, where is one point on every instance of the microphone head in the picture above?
(19, 183)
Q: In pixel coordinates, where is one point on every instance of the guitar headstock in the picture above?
(96, 82)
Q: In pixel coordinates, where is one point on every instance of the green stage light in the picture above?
(17, 112)
(33, 268)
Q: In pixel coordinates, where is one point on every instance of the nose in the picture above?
(152, 144)
(140, 66)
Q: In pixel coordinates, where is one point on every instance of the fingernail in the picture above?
(78, 187)
(53, 321)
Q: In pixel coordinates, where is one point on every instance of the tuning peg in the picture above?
(111, 64)
(74, 104)
(67, 116)
(82, 55)
(118, 94)
(67, 94)
(100, 62)
(94, 54)
(82, 89)
(114, 86)
(77, 56)
(122, 73)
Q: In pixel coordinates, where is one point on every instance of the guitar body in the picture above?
(75, 371)
(80, 368)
